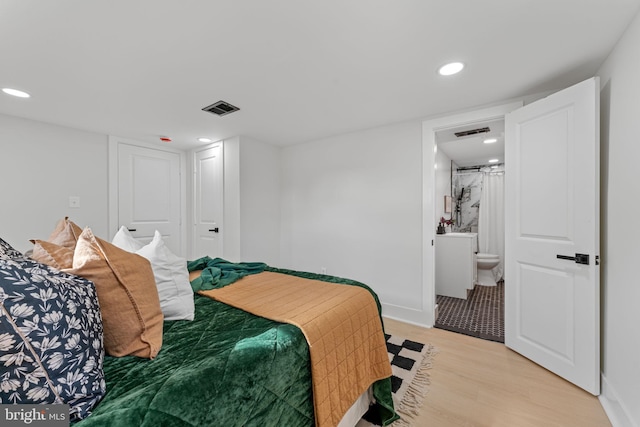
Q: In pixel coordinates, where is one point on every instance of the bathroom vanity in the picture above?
(456, 270)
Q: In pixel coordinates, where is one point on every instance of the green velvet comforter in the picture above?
(227, 367)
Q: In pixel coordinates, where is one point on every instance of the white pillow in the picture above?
(169, 270)
(124, 240)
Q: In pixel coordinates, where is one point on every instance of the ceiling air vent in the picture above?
(472, 132)
(221, 108)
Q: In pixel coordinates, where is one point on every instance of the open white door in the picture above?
(552, 301)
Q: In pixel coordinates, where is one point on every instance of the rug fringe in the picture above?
(417, 391)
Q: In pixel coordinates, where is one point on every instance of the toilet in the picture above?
(486, 262)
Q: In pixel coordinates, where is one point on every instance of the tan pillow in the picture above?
(51, 254)
(65, 234)
(127, 293)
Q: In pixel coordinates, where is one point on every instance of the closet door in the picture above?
(149, 193)
(208, 202)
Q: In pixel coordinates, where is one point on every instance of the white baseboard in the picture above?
(407, 315)
(616, 412)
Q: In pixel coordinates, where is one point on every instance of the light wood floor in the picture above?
(482, 383)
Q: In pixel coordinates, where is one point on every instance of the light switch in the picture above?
(74, 201)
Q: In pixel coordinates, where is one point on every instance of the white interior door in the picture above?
(208, 202)
(552, 302)
(149, 193)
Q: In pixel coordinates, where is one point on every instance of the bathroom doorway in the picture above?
(470, 182)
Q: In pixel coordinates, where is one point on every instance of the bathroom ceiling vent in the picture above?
(472, 132)
(221, 108)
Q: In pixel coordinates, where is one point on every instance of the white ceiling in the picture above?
(299, 70)
(471, 150)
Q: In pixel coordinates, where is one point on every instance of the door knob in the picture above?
(215, 230)
(579, 258)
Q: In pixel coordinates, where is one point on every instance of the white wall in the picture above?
(442, 185)
(231, 245)
(41, 165)
(251, 223)
(620, 237)
(353, 205)
(259, 201)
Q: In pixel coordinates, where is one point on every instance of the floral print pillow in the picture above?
(50, 338)
(7, 251)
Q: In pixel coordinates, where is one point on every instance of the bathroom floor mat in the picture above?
(480, 315)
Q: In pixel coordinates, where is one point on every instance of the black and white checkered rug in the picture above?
(410, 361)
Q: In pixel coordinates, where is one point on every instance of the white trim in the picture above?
(403, 318)
(112, 177)
(429, 129)
(616, 411)
(404, 314)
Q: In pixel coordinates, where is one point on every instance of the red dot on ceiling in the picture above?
(165, 139)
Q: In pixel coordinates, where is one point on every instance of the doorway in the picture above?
(434, 203)
(470, 180)
(147, 191)
(539, 247)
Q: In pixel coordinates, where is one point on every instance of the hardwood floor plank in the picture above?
(478, 383)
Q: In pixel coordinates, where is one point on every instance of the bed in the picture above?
(240, 370)
(225, 367)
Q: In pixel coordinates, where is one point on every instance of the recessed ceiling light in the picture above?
(451, 68)
(205, 139)
(490, 140)
(15, 92)
(494, 161)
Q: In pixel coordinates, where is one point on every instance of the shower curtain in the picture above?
(491, 219)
